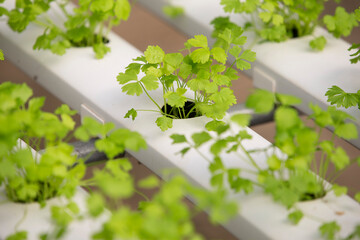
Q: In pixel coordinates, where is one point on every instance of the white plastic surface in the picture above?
(78, 78)
(36, 220)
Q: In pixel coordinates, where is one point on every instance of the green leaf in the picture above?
(274, 163)
(200, 138)
(174, 59)
(131, 113)
(122, 9)
(110, 185)
(357, 196)
(154, 54)
(124, 78)
(346, 131)
(261, 101)
(222, 80)
(150, 82)
(100, 50)
(95, 204)
(242, 120)
(329, 230)
(173, 11)
(265, 16)
(59, 48)
(248, 55)
(197, 84)
(149, 182)
(342, 99)
(288, 100)
(340, 158)
(201, 55)
(242, 65)
(356, 55)
(277, 19)
(213, 125)
(20, 235)
(1, 55)
(176, 99)
(164, 123)
(77, 34)
(184, 151)
(7, 169)
(318, 43)
(132, 88)
(286, 118)
(198, 41)
(295, 216)
(235, 51)
(61, 215)
(178, 138)
(224, 96)
(339, 190)
(219, 54)
(341, 24)
(101, 5)
(185, 70)
(322, 118)
(218, 146)
(65, 109)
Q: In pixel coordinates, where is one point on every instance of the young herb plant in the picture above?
(277, 21)
(201, 71)
(88, 24)
(286, 176)
(29, 176)
(165, 215)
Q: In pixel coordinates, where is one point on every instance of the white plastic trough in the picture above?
(89, 86)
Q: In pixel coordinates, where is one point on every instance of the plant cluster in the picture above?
(29, 176)
(286, 175)
(277, 21)
(201, 71)
(87, 24)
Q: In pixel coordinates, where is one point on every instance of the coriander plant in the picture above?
(87, 24)
(194, 83)
(277, 21)
(29, 176)
(163, 216)
(286, 175)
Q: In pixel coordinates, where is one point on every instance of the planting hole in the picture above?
(188, 111)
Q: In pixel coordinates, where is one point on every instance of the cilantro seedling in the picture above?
(87, 24)
(277, 21)
(57, 172)
(288, 173)
(194, 83)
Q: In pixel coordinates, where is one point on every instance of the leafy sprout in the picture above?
(88, 24)
(277, 21)
(29, 176)
(194, 83)
(287, 174)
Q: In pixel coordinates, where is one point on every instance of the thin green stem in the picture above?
(250, 157)
(142, 195)
(149, 96)
(22, 219)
